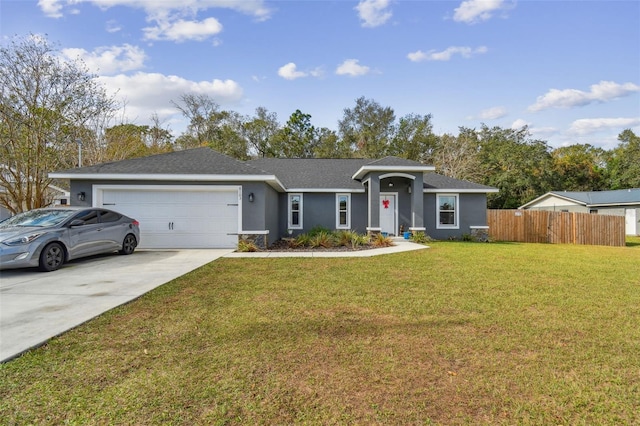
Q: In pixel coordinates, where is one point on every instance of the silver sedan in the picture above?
(47, 238)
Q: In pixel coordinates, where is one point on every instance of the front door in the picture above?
(388, 213)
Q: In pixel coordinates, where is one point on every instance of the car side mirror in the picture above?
(76, 222)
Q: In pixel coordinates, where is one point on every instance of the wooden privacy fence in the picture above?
(538, 226)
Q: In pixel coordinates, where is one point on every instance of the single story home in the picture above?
(199, 198)
(622, 202)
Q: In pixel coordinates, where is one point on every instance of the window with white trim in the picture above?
(343, 211)
(295, 211)
(447, 214)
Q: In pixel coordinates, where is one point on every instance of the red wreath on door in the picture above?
(385, 203)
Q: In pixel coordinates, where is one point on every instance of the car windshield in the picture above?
(39, 218)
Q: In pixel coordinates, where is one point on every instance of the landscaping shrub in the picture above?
(379, 240)
(322, 239)
(247, 246)
(318, 230)
(350, 238)
(302, 240)
(420, 238)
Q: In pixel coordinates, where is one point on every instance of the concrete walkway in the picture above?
(401, 245)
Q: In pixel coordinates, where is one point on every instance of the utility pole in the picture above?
(79, 142)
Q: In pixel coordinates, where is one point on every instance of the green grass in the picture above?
(462, 333)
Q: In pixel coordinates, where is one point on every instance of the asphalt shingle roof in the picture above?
(620, 196)
(197, 161)
(437, 181)
(293, 173)
(313, 173)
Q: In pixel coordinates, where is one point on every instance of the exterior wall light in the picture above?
(251, 197)
(81, 196)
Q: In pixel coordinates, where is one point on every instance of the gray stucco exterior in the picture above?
(473, 213)
(405, 189)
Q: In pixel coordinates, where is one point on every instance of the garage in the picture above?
(177, 216)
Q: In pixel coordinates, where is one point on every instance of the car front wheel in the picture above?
(52, 257)
(129, 244)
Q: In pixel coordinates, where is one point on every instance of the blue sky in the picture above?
(570, 70)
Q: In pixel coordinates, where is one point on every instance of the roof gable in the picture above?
(316, 173)
(618, 197)
(391, 164)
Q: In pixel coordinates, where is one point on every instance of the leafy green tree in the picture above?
(297, 139)
(125, 141)
(624, 164)
(578, 168)
(260, 131)
(516, 165)
(414, 138)
(131, 141)
(228, 137)
(46, 104)
(330, 146)
(368, 128)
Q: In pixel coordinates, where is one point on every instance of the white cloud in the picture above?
(290, 72)
(472, 11)
(373, 13)
(149, 93)
(173, 19)
(493, 113)
(519, 124)
(447, 54)
(182, 30)
(51, 8)
(109, 59)
(255, 8)
(567, 98)
(352, 67)
(317, 72)
(543, 133)
(587, 126)
(113, 26)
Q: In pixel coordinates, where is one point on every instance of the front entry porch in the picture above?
(396, 201)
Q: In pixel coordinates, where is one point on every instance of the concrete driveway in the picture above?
(36, 306)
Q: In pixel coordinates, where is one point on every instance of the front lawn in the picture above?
(462, 333)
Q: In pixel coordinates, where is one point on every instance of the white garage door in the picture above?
(178, 217)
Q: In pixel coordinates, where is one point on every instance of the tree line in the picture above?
(49, 106)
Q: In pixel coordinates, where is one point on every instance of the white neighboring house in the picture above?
(622, 202)
(59, 196)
